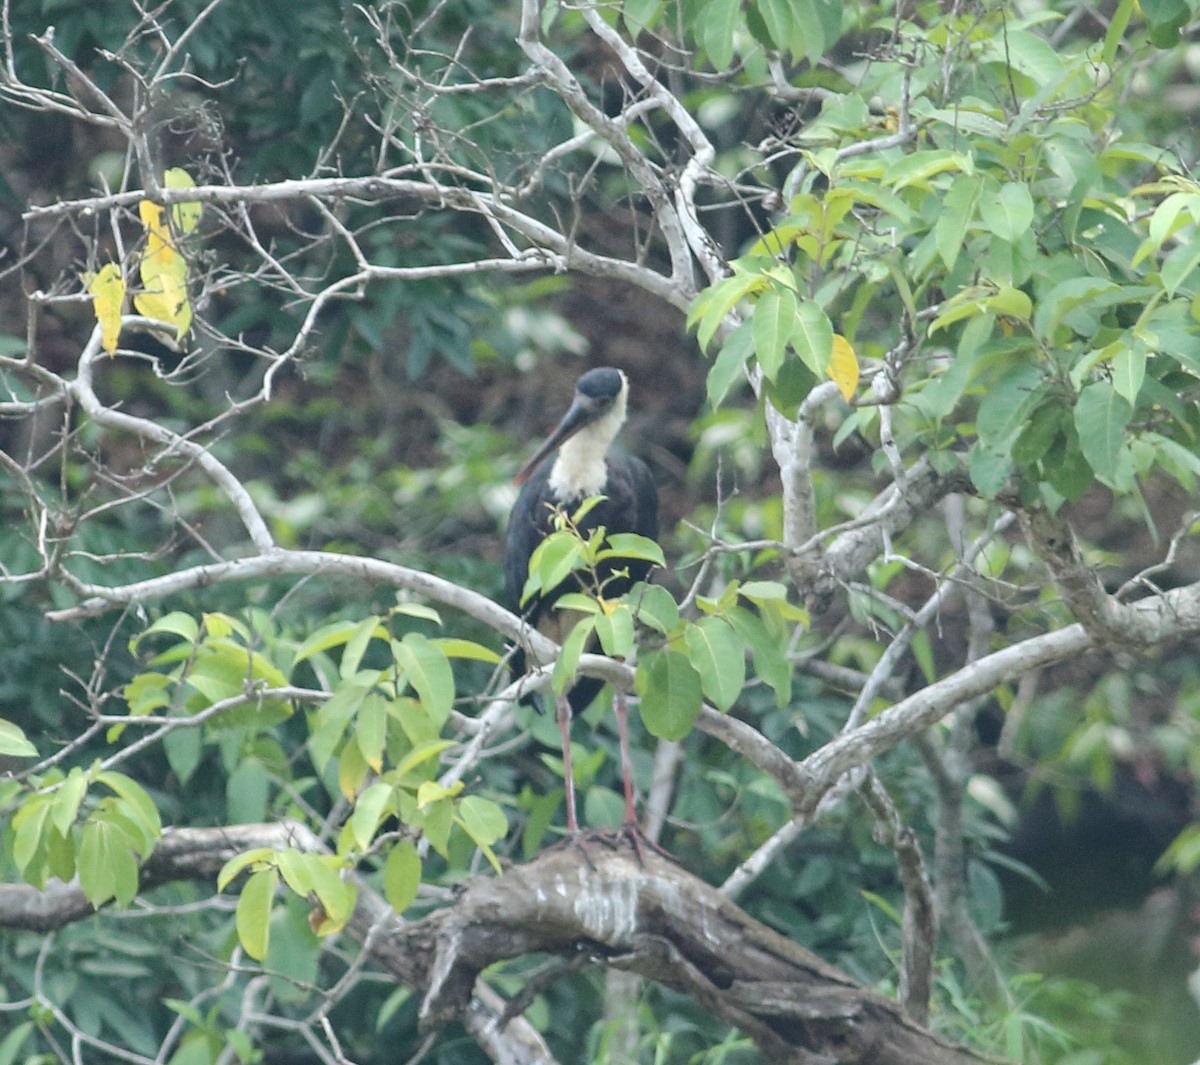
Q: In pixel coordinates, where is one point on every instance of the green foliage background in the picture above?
(1033, 221)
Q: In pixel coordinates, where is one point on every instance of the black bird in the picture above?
(585, 466)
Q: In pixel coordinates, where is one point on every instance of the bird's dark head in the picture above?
(601, 385)
(600, 396)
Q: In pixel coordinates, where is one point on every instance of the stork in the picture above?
(585, 466)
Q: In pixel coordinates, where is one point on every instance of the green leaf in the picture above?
(370, 808)
(576, 602)
(333, 635)
(769, 654)
(815, 26)
(918, 167)
(772, 325)
(1169, 216)
(1179, 266)
(615, 629)
(253, 916)
(1181, 463)
(428, 671)
(218, 626)
(791, 386)
(1066, 297)
(989, 468)
(1010, 302)
(552, 561)
(777, 17)
(758, 591)
(1041, 427)
(337, 896)
(1065, 467)
(222, 670)
(631, 545)
(356, 646)
(437, 821)
(13, 741)
(1129, 370)
(236, 864)
(66, 800)
(247, 791)
(106, 864)
(402, 875)
(1165, 18)
(1007, 212)
(176, 623)
(60, 855)
(146, 693)
(718, 23)
(1005, 406)
(352, 771)
(422, 611)
(719, 658)
(10, 1045)
(482, 819)
(812, 337)
(466, 649)
(730, 364)
(655, 608)
(420, 754)
(295, 867)
(29, 823)
(1101, 415)
(715, 303)
(141, 807)
(670, 692)
(370, 729)
(331, 721)
(958, 210)
(568, 661)
(922, 651)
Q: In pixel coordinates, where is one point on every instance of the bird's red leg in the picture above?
(621, 706)
(563, 714)
(630, 826)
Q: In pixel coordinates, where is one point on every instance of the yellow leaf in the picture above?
(108, 294)
(185, 216)
(163, 309)
(843, 367)
(164, 273)
(161, 256)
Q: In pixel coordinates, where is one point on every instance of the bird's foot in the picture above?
(632, 831)
(579, 840)
(629, 834)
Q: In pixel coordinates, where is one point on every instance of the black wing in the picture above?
(528, 525)
(630, 505)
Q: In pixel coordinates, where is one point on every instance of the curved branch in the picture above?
(1149, 622)
(818, 574)
(233, 488)
(282, 562)
(922, 709)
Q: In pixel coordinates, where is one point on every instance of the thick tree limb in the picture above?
(649, 916)
(199, 854)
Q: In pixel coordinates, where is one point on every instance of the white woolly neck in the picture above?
(580, 469)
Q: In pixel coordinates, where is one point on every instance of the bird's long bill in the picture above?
(575, 419)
